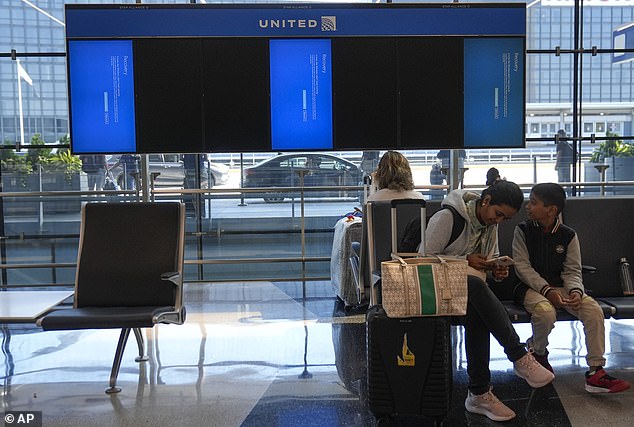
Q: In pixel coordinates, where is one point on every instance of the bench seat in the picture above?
(518, 314)
(623, 306)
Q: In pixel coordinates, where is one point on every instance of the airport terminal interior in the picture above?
(267, 340)
(276, 354)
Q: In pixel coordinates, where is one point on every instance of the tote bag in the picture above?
(425, 286)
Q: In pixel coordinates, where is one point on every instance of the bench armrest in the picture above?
(590, 269)
(172, 276)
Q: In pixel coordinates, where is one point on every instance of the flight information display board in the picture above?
(288, 77)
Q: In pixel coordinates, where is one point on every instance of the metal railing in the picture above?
(198, 237)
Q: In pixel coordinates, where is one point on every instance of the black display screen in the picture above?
(169, 99)
(365, 93)
(236, 95)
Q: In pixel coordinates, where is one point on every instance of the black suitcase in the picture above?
(410, 369)
(409, 365)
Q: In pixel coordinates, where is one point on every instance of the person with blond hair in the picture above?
(393, 179)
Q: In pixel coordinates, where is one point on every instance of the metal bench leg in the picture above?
(141, 344)
(123, 339)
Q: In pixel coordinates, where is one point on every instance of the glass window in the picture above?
(8, 122)
(534, 127)
(614, 127)
(62, 126)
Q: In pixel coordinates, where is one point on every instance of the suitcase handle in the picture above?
(395, 202)
(369, 223)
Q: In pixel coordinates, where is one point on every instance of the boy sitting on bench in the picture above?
(548, 262)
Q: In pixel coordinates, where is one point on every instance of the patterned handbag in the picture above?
(425, 286)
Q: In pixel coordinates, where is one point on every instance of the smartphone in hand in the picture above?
(502, 261)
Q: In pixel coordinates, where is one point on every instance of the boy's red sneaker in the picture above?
(601, 382)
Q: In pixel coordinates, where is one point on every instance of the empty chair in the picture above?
(129, 273)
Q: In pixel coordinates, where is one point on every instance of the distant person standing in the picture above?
(493, 175)
(369, 162)
(444, 156)
(564, 156)
(436, 177)
(95, 167)
(130, 165)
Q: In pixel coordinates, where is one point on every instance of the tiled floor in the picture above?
(257, 354)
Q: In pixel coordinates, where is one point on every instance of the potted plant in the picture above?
(618, 156)
(40, 169)
(611, 148)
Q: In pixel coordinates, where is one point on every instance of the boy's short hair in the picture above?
(551, 194)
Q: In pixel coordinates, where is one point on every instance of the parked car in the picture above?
(219, 173)
(172, 171)
(319, 170)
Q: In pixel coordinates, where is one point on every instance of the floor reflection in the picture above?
(286, 354)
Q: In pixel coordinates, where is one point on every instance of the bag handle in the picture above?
(446, 291)
(397, 257)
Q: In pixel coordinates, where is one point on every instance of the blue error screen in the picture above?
(493, 92)
(101, 84)
(301, 94)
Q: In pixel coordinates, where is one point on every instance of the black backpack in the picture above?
(411, 238)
